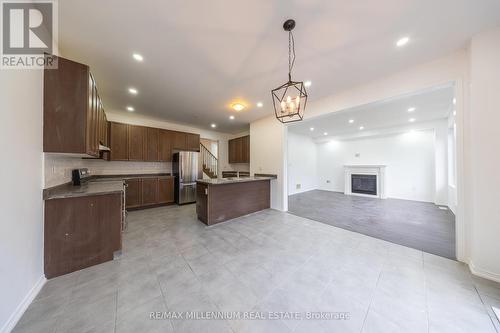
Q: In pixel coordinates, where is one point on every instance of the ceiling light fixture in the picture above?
(454, 101)
(312, 129)
(412, 109)
(402, 41)
(326, 133)
(238, 106)
(138, 57)
(260, 104)
(130, 109)
(133, 91)
(454, 112)
(231, 117)
(307, 84)
(411, 120)
(289, 99)
(213, 125)
(351, 121)
(361, 128)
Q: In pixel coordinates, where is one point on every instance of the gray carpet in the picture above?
(420, 225)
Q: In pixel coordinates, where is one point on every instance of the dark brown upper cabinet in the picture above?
(239, 150)
(136, 143)
(118, 141)
(152, 144)
(165, 145)
(72, 110)
(180, 142)
(192, 142)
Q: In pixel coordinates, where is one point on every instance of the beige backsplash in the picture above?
(58, 167)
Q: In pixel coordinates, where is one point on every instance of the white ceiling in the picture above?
(201, 55)
(430, 105)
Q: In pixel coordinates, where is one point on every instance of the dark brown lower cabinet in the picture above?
(166, 190)
(133, 197)
(81, 232)
(149, 191)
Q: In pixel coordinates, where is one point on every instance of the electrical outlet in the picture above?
(357, 155)
(328, 181)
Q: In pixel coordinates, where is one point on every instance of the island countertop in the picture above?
(232, 180)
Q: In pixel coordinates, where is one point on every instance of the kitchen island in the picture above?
(222, 199)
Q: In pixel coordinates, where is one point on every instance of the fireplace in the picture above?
(364, 184)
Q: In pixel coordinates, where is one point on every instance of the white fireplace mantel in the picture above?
(378, 170)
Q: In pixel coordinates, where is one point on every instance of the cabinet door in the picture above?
(232, 151)
(92, 122)
(246, 149)
(149, 191)
(118, 142)
(193, 141)
(136, 143)
(133, 193)
(180, 141)
(166, 190)
(239, 150)
(165, 145)
(152, 144)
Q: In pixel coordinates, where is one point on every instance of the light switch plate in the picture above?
(298, 186)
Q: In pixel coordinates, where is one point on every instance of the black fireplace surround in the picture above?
(364, 184)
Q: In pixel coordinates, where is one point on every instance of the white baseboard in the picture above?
(21, 308)
(484, 273)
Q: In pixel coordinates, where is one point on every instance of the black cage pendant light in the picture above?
(289, 99)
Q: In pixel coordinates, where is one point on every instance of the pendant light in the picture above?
(289, 99)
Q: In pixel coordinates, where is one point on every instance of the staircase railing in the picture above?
(208, 159)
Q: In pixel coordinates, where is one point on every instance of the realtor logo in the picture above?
(27, 33)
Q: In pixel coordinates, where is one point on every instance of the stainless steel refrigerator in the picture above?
(186, 172)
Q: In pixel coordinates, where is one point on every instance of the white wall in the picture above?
(441, 163)
(483, 142)
(21, 226)
(267, 155)
(302, 163)
(409, 157)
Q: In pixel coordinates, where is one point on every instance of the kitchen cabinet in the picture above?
(72, 110)
(192, 142)
(239, 150)
(180, 142)
(133, 191)
(166, 139)
(152, 144)
(136, 143)
(149, 191)
(166, 190)
(80, 232)
(118, 141)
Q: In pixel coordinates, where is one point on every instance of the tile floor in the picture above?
(265, 262)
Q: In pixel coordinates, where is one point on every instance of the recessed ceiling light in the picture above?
(411, 120)
(238, 107)
(402, 41)
(326, 133)
(312, 129)
(361, 128)
(231, 117)
(133, 91)
(130, 109)
(307, 84)
(138, 57)
(454, 101)
(412, 109)
(260, 104)
(213, 125)
(454, 112)
(351, 121)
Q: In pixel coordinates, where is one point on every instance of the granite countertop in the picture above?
(129, 176)
(88, 189)
(223, 181)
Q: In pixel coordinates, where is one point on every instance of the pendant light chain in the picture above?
(291, 51)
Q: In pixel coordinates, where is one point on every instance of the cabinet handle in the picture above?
(66, 234)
